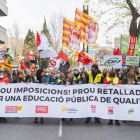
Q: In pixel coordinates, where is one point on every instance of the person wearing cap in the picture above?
(3, 79)
(95, 75)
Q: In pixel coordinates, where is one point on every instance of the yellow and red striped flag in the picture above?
(7, 65)
(71, 35)
(19, 57)
(89, 28)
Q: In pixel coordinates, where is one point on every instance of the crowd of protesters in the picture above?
(74, 76)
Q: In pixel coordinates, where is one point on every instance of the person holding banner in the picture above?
(33, 77)
(41, 80)
(83, 78)
(8, 74)
(76, 74)
(137, 76)
(19, 77)
(93, 75)
(47, 76)
(68, 81)
(3, 79)
(114, 80)
(129, 79)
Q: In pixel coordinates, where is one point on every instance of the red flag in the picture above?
(32, 68)
(64, 65)
(118, 52)
(38, 40)
(114, 52)
(63, 56)
(132, 45)
(23, 66)
(83, 58)
(30, 56)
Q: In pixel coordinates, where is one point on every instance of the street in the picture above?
(54, 129)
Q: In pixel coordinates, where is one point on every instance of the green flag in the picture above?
(124, 44)
(10, 54)
(137, 49)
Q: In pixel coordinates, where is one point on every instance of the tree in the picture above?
(56, 29)
(118, 15)
(15, 41)
(29, 45)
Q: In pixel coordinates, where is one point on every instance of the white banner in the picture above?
(112, 61)
(120, 102)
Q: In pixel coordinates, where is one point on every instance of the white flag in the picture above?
(45, 49)
(54, 63)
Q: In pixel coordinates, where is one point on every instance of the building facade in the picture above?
(3, 12)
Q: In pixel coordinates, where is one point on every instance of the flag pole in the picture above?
(62, 58)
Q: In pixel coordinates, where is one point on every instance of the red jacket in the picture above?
(108, 82)
(4, 80)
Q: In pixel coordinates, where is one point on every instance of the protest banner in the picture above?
(132, 45)
(111, 61)
(119, 102)
(132, 60)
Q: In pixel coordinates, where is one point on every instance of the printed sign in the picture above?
(112, 61)
(115, 102)
(132, 44)
(132, 60)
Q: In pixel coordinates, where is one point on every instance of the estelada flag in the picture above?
(30, 57)
(64, 65)
(83, 58)
(23, 66)
(71, 35)
(38, 40)
(89, 28)
(32, 68)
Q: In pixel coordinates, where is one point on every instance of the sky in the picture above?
(29, 14)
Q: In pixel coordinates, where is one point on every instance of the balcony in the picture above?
(3, 8)
(3, 35)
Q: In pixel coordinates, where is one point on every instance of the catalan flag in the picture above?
(89, 28)
(67, 25)
(71, 35)
(7, 65)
